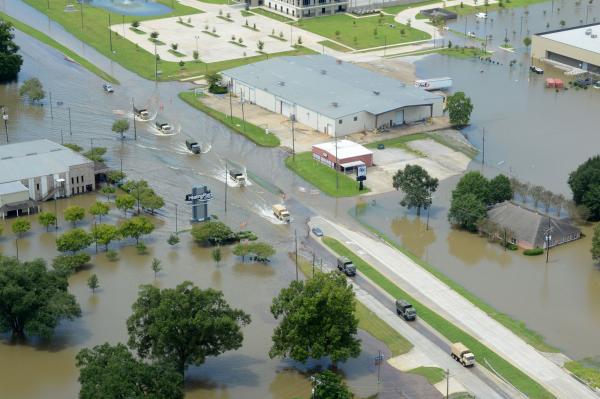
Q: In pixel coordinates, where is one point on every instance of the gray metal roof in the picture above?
(12, 187)
(36, 158)
(528, 225)
(331, 87)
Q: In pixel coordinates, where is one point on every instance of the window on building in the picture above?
(72, 180)
(37, 186)
(340, 121)
(82, 179)
(355, 118)
(269, 4)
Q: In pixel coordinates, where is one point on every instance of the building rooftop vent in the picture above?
(376, 92)
(323, 72)
(281, 83)
(334, 104)
(594, 36)
(3, 158)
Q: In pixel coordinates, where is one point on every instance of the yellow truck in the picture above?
(281, 213)
(462, 354)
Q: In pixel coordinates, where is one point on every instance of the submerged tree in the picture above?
(417, 186)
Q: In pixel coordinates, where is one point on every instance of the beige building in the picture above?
(46, 169)
(575, 47)
(14, 199)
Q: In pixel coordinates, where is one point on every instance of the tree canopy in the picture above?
(67, 264)
(466, 210)
(212, 233)
(260, 251)
(203, 325)
(33, 300)
(47, 219)
(120, 126)
(136, 227)
(417, 186)
(33, 90)
(473, 183)
(500, 189)
(329, 385)
(585, 184)
(317, 320)
(73, 241)
(99, 209)
(459, 109)
(596, 244)
(125, 202)
(74, 214)
(108, 372)
(104, 234)
(10, 59)
(21, 226)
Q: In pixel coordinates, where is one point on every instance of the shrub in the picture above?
(141, 248)
(533, 252)
(112, 255)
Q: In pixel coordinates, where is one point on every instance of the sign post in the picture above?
(361, 175)
(199, 199)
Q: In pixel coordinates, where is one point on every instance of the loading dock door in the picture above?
(399, 118)
(285, 108)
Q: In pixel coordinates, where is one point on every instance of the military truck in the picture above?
(141, 114)
(164, 127)
(193, 147)
(281, 213)
(406, 310)
(462, 354)
(238, 177)
(346, 266)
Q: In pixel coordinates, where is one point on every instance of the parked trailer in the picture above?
(434, 84)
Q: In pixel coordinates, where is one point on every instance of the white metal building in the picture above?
(330, 95)
(46, 169)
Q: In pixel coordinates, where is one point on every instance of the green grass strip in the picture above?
(42, 37)
(322, 176)
(252, 132)
(370, 322)
(334, 46)
(454, 334)
(590, 375)
(271, 15)
(433, 374)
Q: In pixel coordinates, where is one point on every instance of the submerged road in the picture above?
(449, 304)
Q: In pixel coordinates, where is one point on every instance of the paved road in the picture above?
(449, 304)
(477, 381)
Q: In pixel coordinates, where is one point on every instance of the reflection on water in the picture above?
(413, 233)
(131, 7)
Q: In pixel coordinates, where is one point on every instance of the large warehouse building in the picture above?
(331, 96)
(576, 47)
(43, 166)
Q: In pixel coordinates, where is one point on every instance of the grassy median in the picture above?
(323, 177)
(42, 37)
(95, 32)
(433, 374)
(452, 333)
(252, 132)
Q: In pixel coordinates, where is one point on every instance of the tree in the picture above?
(465, 210)
(138, 189)
(459, 109)
(173, 239)
(115, 176)
(596, 244)
(107, 372)
(582, 180)
(93, 283)
(10, 60)
(242, 249)
(261, 250)
(33, 299)
(99, 209)
(216, 255)
(212, 233)
(317, 320)
(67, 264)
(47, 219)
(260, 45)
(135, 24)
(74, 214)
(108, 190)
(546, 197)
(536, 194)
(473, 183)
(417, 186)
(203, 325)
(120, 126)
(74, 241)
(500, 189)
(527, 41)
(329, 385)
(104, 234)
(156, 266)
(154, 35)
(136, 227)
(559, 202)
(95, 154)
(214, 79)
(591, 200)
(195, 55)
(149, 200)
(125, 202)
(33, 90)
(21, 226)
(174, 46)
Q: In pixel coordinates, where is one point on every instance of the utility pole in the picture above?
(5, 118)
(81, 12)
(134, 126)
(226, 180)
(155, 63)
(447, 383)
(176, 209)
(62, 140)
(293, 118)
(70, 129)
(313, 265)
(17, 245)
(51, 112)
(337, 179)
(110, 34)
(548, 238)
(379, 360)
(483, 146)
(427, 226)
(296, 241)
(230, 106)
(243, 115)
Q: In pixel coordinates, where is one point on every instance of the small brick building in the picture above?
(349, 155)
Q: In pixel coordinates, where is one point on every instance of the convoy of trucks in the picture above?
(164, 127)
(141, 114)
(406, 310)
(462, 354)
(281, 213)
(346, 266)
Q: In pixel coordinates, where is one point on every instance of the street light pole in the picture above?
(5, 118)
(293, 118)
(134, 126)
(109, 33)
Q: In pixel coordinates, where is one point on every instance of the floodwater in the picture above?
(170, 169)
(131, 7)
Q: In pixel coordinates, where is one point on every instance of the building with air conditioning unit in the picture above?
(331, 96)
(577, 47)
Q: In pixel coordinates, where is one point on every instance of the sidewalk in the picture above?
(455, 308)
